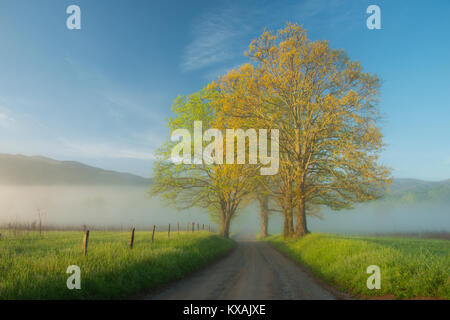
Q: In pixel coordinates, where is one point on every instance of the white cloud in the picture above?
(154, 138)
(223, 34)
(31, 136)
(6, 120)
(214, 36)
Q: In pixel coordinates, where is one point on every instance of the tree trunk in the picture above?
(288, 228)
(285, 227)
(225, 219)
(290, 224)
(264, 214)
(301, 228)
(286, 205)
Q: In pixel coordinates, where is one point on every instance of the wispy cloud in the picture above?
(31, 136)
(222, 35)
(106, 150)
(120, 102)
(6, 121)
(329, 15)
(214, 39)
(123, 102)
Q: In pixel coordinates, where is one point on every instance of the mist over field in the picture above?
(364, 219)
(72, 194)
(126, 206)
(101, 206)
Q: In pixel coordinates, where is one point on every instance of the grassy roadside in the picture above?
(32, 267)
(410, 267)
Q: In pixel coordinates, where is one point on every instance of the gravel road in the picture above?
(254, 270)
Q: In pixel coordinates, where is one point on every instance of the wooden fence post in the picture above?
(132, 238)
(153, 233)
(168, 232)
(85, 242)
(178, 227)
(209, 227)
(187, 226)
(198, 227)
(203, 227)
(193, 226)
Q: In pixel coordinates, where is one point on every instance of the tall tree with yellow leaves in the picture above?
(218, 187)
(324, 106)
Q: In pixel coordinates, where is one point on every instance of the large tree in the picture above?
(217, 187)
(325, 107)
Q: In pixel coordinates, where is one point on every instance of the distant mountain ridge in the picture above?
(38, 170)
(411, 191)
(407, 184)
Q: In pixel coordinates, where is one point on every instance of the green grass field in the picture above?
(32, 267)
(410, 267)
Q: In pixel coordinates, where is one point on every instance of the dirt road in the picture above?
(254, 270)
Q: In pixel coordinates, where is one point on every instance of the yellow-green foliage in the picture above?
(32, 267)
(410, 267)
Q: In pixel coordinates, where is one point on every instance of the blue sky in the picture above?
(100, 95)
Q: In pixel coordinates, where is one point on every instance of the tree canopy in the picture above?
(325, 108)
